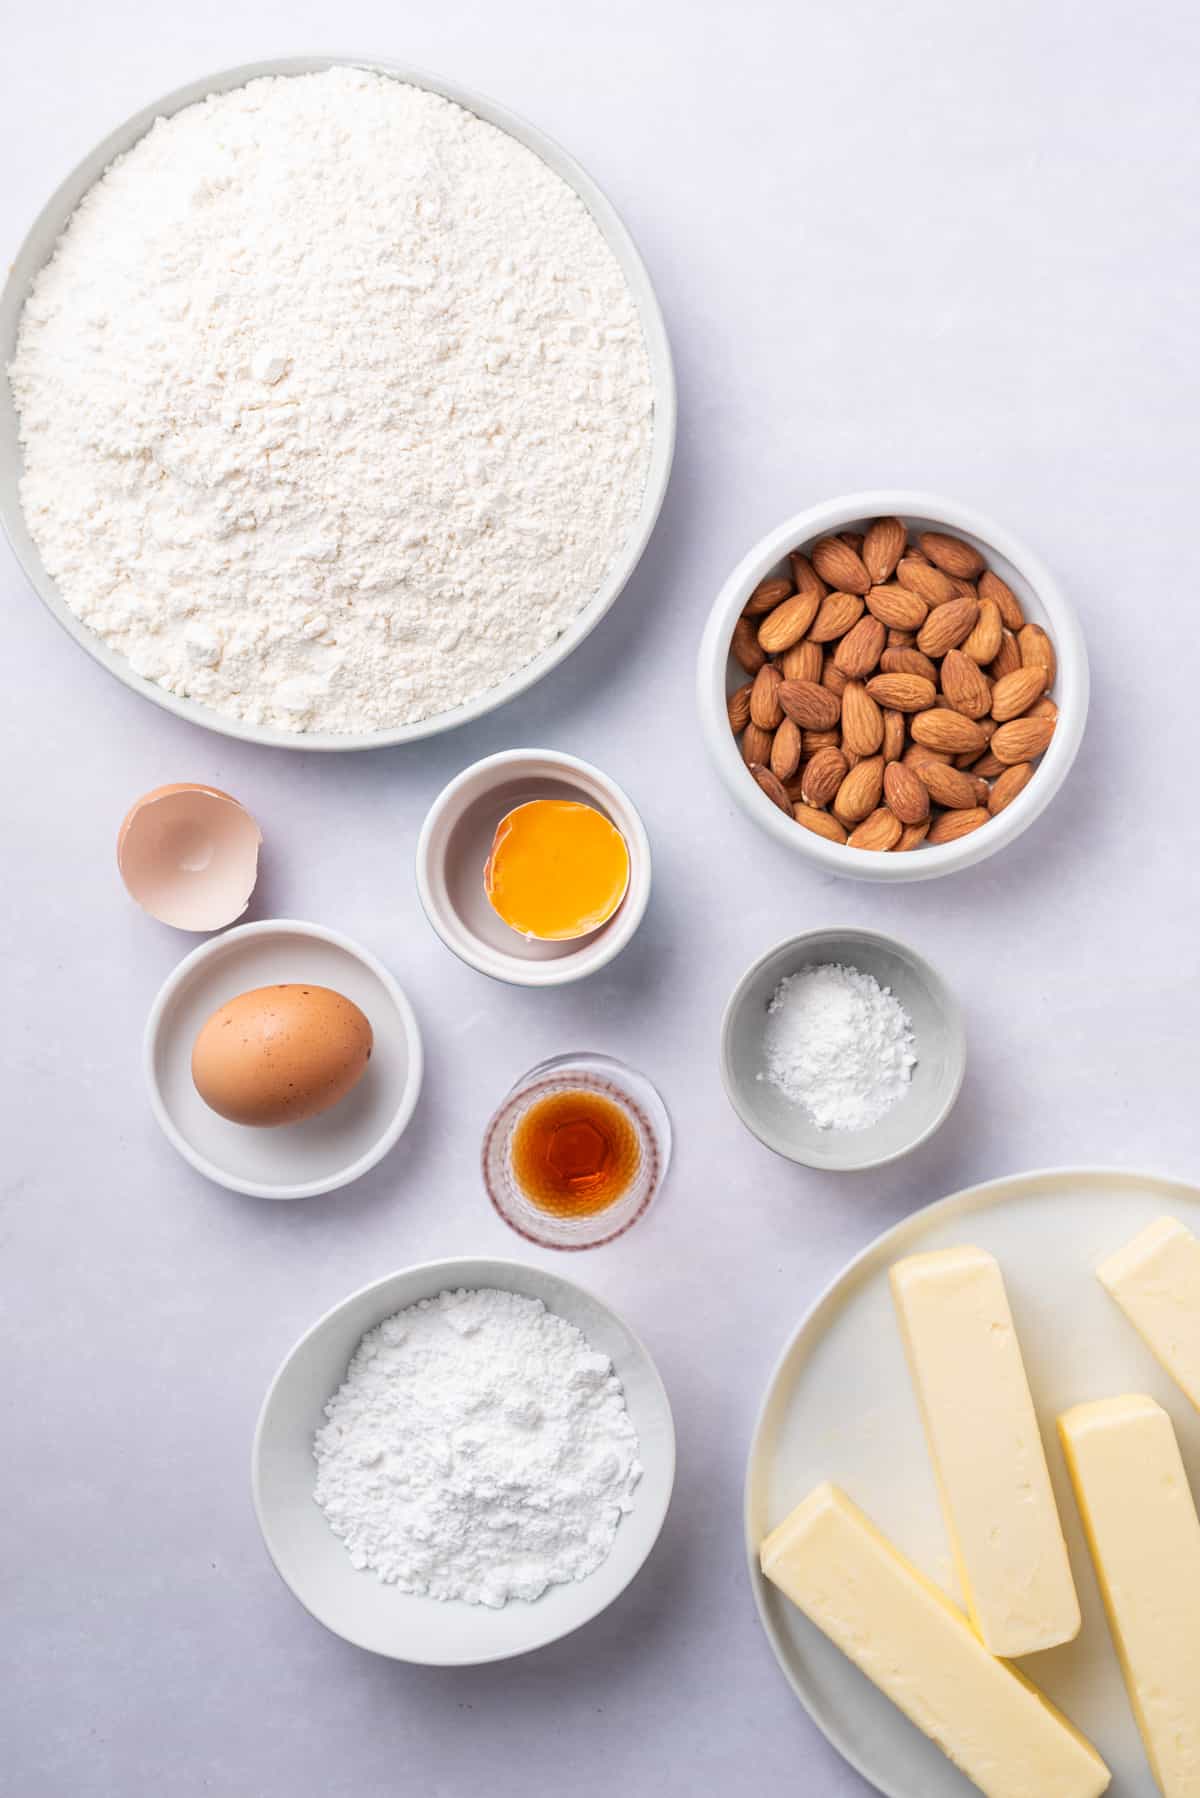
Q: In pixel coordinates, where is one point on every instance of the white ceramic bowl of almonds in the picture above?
(924, 721)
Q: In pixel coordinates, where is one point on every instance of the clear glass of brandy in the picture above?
(576, 1151)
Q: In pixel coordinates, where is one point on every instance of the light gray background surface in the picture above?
(937, 245)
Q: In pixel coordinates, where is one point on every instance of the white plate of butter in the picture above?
(842, 1435)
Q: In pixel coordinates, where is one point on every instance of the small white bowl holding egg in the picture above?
(282, 1060)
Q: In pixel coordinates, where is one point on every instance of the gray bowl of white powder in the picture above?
(842, 1049)
(338, 412)
(462, 1462)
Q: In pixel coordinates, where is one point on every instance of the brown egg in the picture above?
(280, 1054)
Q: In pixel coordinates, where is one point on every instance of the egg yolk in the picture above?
(557, 869)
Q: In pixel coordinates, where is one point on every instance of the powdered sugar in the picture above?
(335, 404)
(839, 1044)
(478, 1449)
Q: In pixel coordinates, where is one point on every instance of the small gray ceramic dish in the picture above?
(939, 1040)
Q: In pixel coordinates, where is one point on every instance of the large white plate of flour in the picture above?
(840, 1406)
(39, 246)
(358, 1605)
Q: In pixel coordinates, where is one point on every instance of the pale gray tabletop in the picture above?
(932, 245)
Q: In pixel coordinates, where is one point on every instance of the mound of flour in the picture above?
(334, 402)
(478, 1448)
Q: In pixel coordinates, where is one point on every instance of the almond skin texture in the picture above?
(952, 825)
(860, 649)
(1011, 611)
(909, 661)
(946, 786)
(1013, 781)
(902, 692)
(883, 548)
(860, 792)
(1017, 692)
(765, 709)
(1007, 657)
(809, 705)
(803, 661)
(1044, 708)
(916, 756)
(815, 740)
(838, 611)
(855, 539)
(947, 626)
(952, 555)
(772, 787)
(1022, 739)
(927, 582)
(819, 822)
(896, 607)
(963, 589)
(833, 678)
(788, 622)
(901, 639)
(842, 567)
(966, 688)
(950, 731)
(983, 644)
(744, 647)
(756, 745)
(766, 596)
(882, 831)
(738, 707)
(805, 578)
(987, 767)
(894, 732)
(1037, 650)
(862, 720)
(907, 796)
(822, 777)
(785, 750)
(912, 837)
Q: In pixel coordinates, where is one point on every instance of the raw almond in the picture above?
(946, 626)
(803, 661)
(837, 612)
(902, 692)
(833, 678)
(765, 709)
(896, 607)
(950, 731)
(1007, 657)
(860, 792)
(1037, 650)
(788, 622)
(738, 707)
(993, 588)
(1022, 739)
(946, 786)
(894, 732)
(952, 555)
(987, 766)
(862, 720)
(882, 831)
(963, 589)
(766, 596)
(983, 644)
(900, 639)
(805, 578)
(883, 548)
(1017, 692)
(822, 777)
(772, 786)
(909, 661)
(785, 750)
(745, 647)
(912, 837)
(966, 688)
(840, 565)
(811, 706)
(952, 825)
(1045, 708)
(906, 793)
(927, 582)
(917, 755)
(822, 739)
(860, 649)
(819, 822)
(756, 745)
(1008, 785)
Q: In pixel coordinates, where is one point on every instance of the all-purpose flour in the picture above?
(478, 1449)
(335, 404)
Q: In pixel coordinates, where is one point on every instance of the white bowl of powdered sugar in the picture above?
(463, 1461)
(339, 407)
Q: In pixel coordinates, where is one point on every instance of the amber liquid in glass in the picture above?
(574, 1153)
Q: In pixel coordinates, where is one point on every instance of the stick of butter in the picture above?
(1156, 1281)
(903, 1632)
(986, 1449)
(1144, 1536)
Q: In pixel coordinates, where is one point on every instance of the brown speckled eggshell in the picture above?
(280, 1054)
